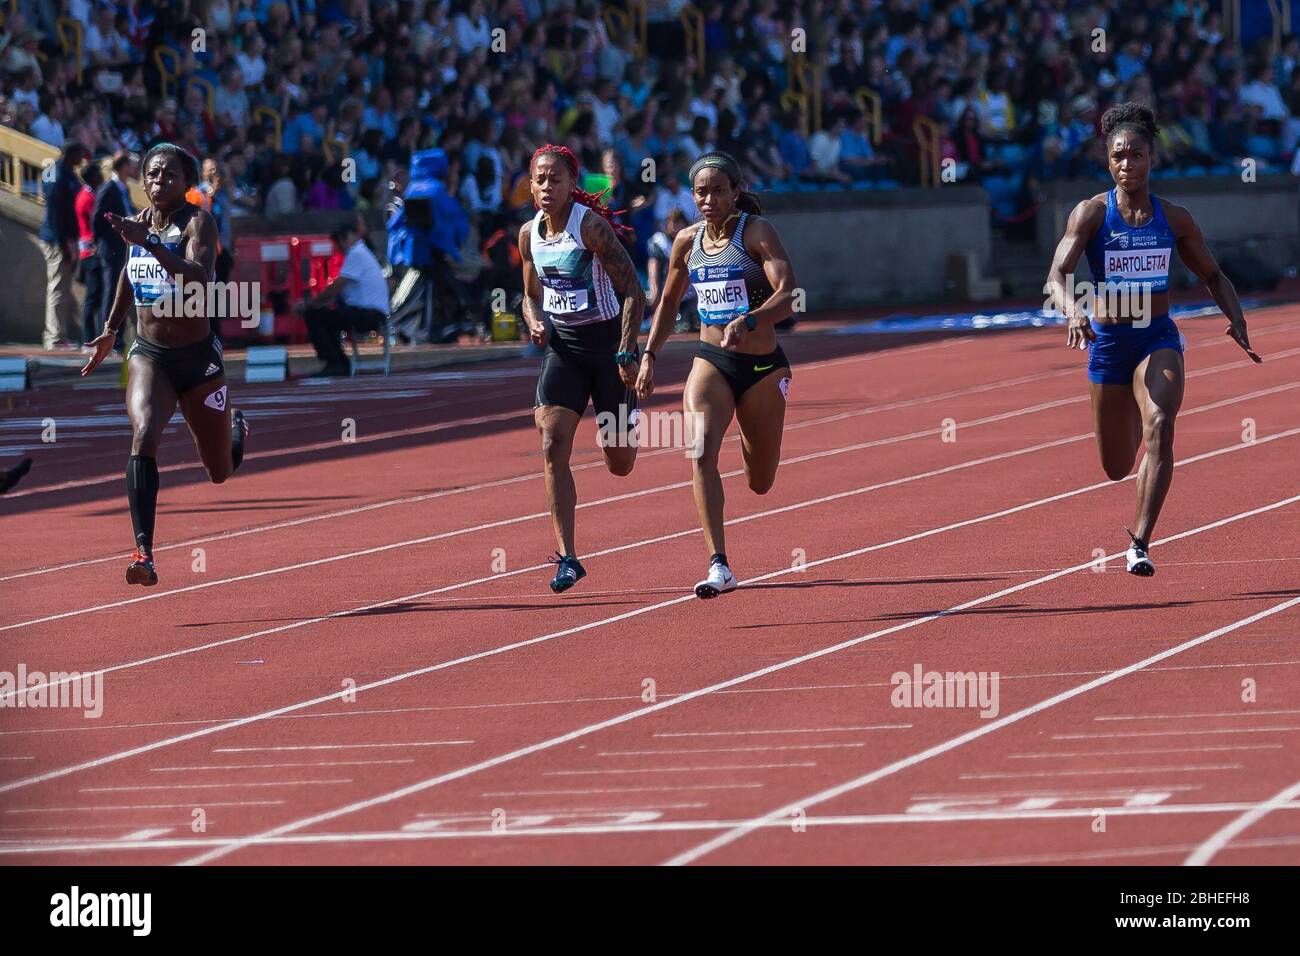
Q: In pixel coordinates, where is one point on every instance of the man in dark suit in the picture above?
(110, 251)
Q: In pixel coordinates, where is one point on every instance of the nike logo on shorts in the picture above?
(763, 368)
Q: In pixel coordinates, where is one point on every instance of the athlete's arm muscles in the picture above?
(1082, 225)
(763, 244)
(674, 287)
(1197, 257)
(532, 301)
(599, 237)
(196, 265)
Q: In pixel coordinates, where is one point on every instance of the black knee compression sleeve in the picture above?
(142, 493)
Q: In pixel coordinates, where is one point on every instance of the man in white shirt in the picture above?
(356, 301)
(48, 124)
(1262, 93)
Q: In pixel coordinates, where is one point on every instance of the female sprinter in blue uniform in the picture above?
(583, 300)
(175, 358)
(1135, 359)
(744, 285)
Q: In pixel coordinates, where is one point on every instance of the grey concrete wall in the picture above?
(22, 272)
(852, 249)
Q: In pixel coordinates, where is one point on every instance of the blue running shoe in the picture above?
(568, 572)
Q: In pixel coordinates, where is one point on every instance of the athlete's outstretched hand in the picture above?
(645, 380)
(102, 344)
(1078, 331)
(733, 334)
(1237, 332)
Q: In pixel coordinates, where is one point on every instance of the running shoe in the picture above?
(14, 475)
(1136, 558)
(569, 571)
(719, 581)
(141, 569)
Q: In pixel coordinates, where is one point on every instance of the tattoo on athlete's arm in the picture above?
(599, 237)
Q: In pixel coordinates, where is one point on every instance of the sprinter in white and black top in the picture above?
(583, 300)
(744, 285)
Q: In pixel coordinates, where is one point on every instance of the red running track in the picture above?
(353, 657)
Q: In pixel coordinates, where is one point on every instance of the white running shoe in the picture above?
(719, 581)
(1138, 561)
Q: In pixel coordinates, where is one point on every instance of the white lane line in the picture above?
(750, 766)
(662, 826)
(743, 678)
(1223, 837)
(533, 516)
(277, 766)
(1100, 771)
(214, 786)
(17, 758)
(796, 730)
(695, 853)
(338, 695)
(1222, 713)
(1154, 750)
(607, 808)
(400, 743)
(146, 806)
(597, 462)
(1060, 793)
(148, 833)
(684, 786)
(524, 418)
(726, 750)
(673, 486)
(1176, 733)
(694, 531)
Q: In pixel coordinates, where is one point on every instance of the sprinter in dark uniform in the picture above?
(1135, 351)
(744, 285)
(175, 358)
(583, 300)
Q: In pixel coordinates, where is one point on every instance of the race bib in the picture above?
(1137, 263)
(729, 296)
(217, 399)
(564, 301)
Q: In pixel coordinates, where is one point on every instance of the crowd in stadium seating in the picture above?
(1017, 87)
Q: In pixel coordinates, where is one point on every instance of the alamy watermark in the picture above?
(634, 428)
(213, 300)
(1120, 299)
(946, 689)
(58, 689)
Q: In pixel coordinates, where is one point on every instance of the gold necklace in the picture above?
(721, 238)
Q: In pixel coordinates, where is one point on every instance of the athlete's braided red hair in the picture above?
(591, 200)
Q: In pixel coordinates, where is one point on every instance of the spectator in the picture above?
(671, 194)
(58, 238)
(230, 103)
(92, 303)
(48, 124)
(355, 301)
(1262, 94)
(103, 45)
(282, 197)
(110, 251)
(660, 249)
(825, 149)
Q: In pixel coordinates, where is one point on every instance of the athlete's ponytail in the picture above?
(591, 200)
(746, 201)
